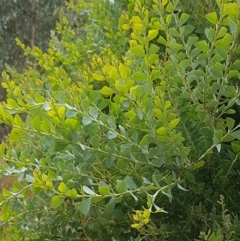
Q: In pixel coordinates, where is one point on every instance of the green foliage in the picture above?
(134, 144)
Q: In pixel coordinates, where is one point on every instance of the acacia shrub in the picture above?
(129, 146)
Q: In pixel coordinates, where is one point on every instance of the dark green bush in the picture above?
(137, 144)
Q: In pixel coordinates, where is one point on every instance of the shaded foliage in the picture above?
(31, 21)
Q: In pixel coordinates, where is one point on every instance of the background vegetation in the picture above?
(130, 129)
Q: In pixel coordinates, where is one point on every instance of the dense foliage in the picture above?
(125, 129)
(31, 21)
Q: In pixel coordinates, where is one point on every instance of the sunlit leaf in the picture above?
(57, 201)
(212, 17)
(138, 51)
(152, 34)
(87, 190)
(106, 91)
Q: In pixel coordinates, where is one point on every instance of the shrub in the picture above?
(134, 145)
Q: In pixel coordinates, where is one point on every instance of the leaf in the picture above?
(191, 41)
(232, 9)
(86, 120)
(168, 19)
(87, 190)
(72, 193)
(110, 147)
(46, 126)
(163, 139)
(218, 66)
(218, 146)
(158, 209)
(103, 188)
(87, 154)
(174, 123)
(215, 72)
(217, 136)
(136, 92)
(184, 18)
(61, 111)
(138, 51)
(121, 186)
(94, 112)
(95, 141)
(102, 221)
(184, 64)
(210, 34)
(110, 160)
(17, 134)
(112, 135)
(236, 134)
(230, 123)
(236, 65)
(71, 123)
(187, 29)
(17, 186)
(153, 49)
(5, 217)
(164, 2)
(6, 193)
(233, 28)
(146, 140)
(162, 40)
(173, 32)
(225, 42)
(130, 183)
(60, 97)
(62, 187)
(197, 165)
(139, 76)
(29, 178)
(106, 91)
(12, 104)
(152, 34)
(97, 199)
(36, 123)
(235, 146)
(103, 103)
(84, 206)
(98, 76)
(222, 32)
(71, 113)
(202, 45)
(161, 131)
(123, 71)
(57, 201)
(125, 26)
(111, 205)
(190, 177)
(18, 121)
(46, 107)
(139, 113)
(111, 122)
(181, 188)
(60, 145)
(94, 95)
(155, 74)
(149, 200)
(212, 17)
